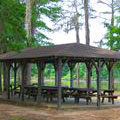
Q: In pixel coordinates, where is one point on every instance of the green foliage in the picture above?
(12, 29)
(43, 11)
(113, 35)
(49, 71)
(12, 32)
(65, 70)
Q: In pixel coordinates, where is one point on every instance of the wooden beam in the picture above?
(1, 76)
(71, 77)
(15, 67)
(59, 82)
(110, 74)
(98, 67)
(56, 69)
(7, 66)
(15, 75)
(99, 83)
(89, 70)
(4, 77)
(56, 73)
(71, 67)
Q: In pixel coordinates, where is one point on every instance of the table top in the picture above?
(69, 88)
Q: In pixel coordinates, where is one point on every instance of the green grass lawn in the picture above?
(20, 118)
(81, 84)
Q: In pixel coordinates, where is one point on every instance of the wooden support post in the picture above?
(7, 65)
(110, 74)
(9, 82)
(98, 83)
(71, 66)
(0, 76)
(59, 72)
(15, 75)
(71, 77)
(40, 66)
(56, 71)
(78, 75)
(98, 71)
(4, 77)
(23, 67)
(39, 81)
(110, 87)
(89, 68)
(56, 77)
(56, 74)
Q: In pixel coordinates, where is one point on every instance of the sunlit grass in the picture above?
(17, 118)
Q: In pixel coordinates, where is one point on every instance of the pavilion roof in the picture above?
(63, 50)
(7, 55)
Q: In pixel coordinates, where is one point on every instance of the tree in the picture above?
(43, 11)
(33, 23)
(71, 20)
(12, 25)
(112, 35)
(28, 26)
(87, 31)
(12, 32)
(28, 21)
(113, 5)
(71, 17)
(113, 39)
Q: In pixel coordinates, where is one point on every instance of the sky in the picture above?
(97, 29)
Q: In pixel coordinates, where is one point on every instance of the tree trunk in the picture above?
(78, 41)
(112, 22)
(28, 21)
(28, 24)
(77, 34)
(87, 22)
(87, 31)
(113, 11)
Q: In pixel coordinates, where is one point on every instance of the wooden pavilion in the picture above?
(58, 55)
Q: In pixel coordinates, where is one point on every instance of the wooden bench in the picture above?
(31, 91)
(82, 94)
(110, 97)
(18, 90)
(109, 94)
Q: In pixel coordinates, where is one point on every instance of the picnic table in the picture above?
(84, 93)
(31, 91)
(50, 92)
(47, 92)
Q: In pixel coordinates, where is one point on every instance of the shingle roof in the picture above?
(64, 50)
(7, 55)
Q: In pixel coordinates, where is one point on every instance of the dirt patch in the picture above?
(13, 112)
